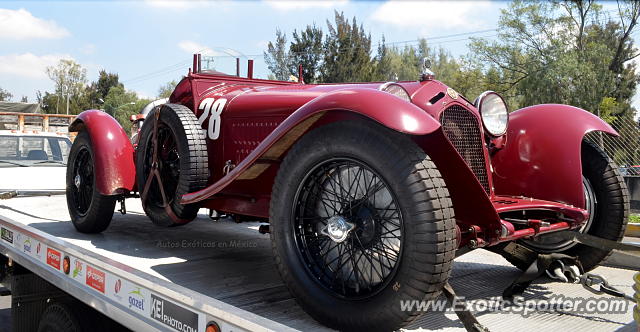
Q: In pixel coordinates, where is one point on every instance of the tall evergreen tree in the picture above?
(306, 50)
(347, 52)
(277, 57)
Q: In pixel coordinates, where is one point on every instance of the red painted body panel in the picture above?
(472, 205)
(404, 117)
(113, 152)
(542, 156)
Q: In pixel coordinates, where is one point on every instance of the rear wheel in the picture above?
(171, 161)
(361, 220)
(90, 211)
(607, 202)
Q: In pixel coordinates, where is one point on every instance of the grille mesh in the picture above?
(463, 131)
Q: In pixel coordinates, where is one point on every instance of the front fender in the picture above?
(382, 107)
(113, 153)
(542, 157)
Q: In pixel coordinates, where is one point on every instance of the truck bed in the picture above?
(233, 263)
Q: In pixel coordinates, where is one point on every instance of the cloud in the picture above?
(428, 15)
(178, 4)
(302, 5)
(20, 24)
(28, 64)
(192, 47)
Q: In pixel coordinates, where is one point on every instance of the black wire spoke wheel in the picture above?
(348, 228)
(82, 189)
(361, 220)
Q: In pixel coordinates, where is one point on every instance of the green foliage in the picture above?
(105, 82)
(121, 104)
(562, 52)
(306, 50)
(5, 95)
(167, 89)
(277, 57)
(69, 79)
(608, 107)
(346, 51)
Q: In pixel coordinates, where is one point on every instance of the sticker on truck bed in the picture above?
(6, 235)
(95, 279)
(212, 109)
(53, 258)
(173, 315)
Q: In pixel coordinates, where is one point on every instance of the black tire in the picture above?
(58, 318)
(90, 211)
(425, 214)
(183, 169)
(611, 212)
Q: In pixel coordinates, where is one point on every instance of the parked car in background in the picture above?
(630, 170)
(33, 161)
(34, 149)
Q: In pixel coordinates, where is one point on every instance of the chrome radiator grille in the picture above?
(463, 131)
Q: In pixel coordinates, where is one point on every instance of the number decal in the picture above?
(212, 109)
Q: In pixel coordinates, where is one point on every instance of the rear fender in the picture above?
(382, 107)
(113, 153)
(542, 157)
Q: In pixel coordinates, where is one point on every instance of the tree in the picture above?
(347, 51)
(563, 52)
(105, 82)
(570, 52)
(69, 79)
(167, 89)
(121, 104)
(5, 95)
(306, 50)
(277, 58)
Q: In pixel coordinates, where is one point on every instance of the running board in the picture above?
(504, 204)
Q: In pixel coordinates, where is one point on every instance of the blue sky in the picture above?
(149, 43)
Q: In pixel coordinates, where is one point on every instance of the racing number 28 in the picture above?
(212, 109)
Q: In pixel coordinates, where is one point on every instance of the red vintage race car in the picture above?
(370, 189)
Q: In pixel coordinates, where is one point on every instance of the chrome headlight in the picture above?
(396, 90)
(493, 111)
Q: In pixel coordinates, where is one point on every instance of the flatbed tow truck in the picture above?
(206, 277)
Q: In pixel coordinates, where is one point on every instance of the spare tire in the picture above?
(180, 167)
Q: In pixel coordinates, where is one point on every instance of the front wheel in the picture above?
(90, 211)
(607, 201)
(361, 221)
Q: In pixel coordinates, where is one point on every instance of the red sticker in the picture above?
(53, 258)
(95, 279)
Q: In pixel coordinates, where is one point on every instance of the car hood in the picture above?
(33, 178)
